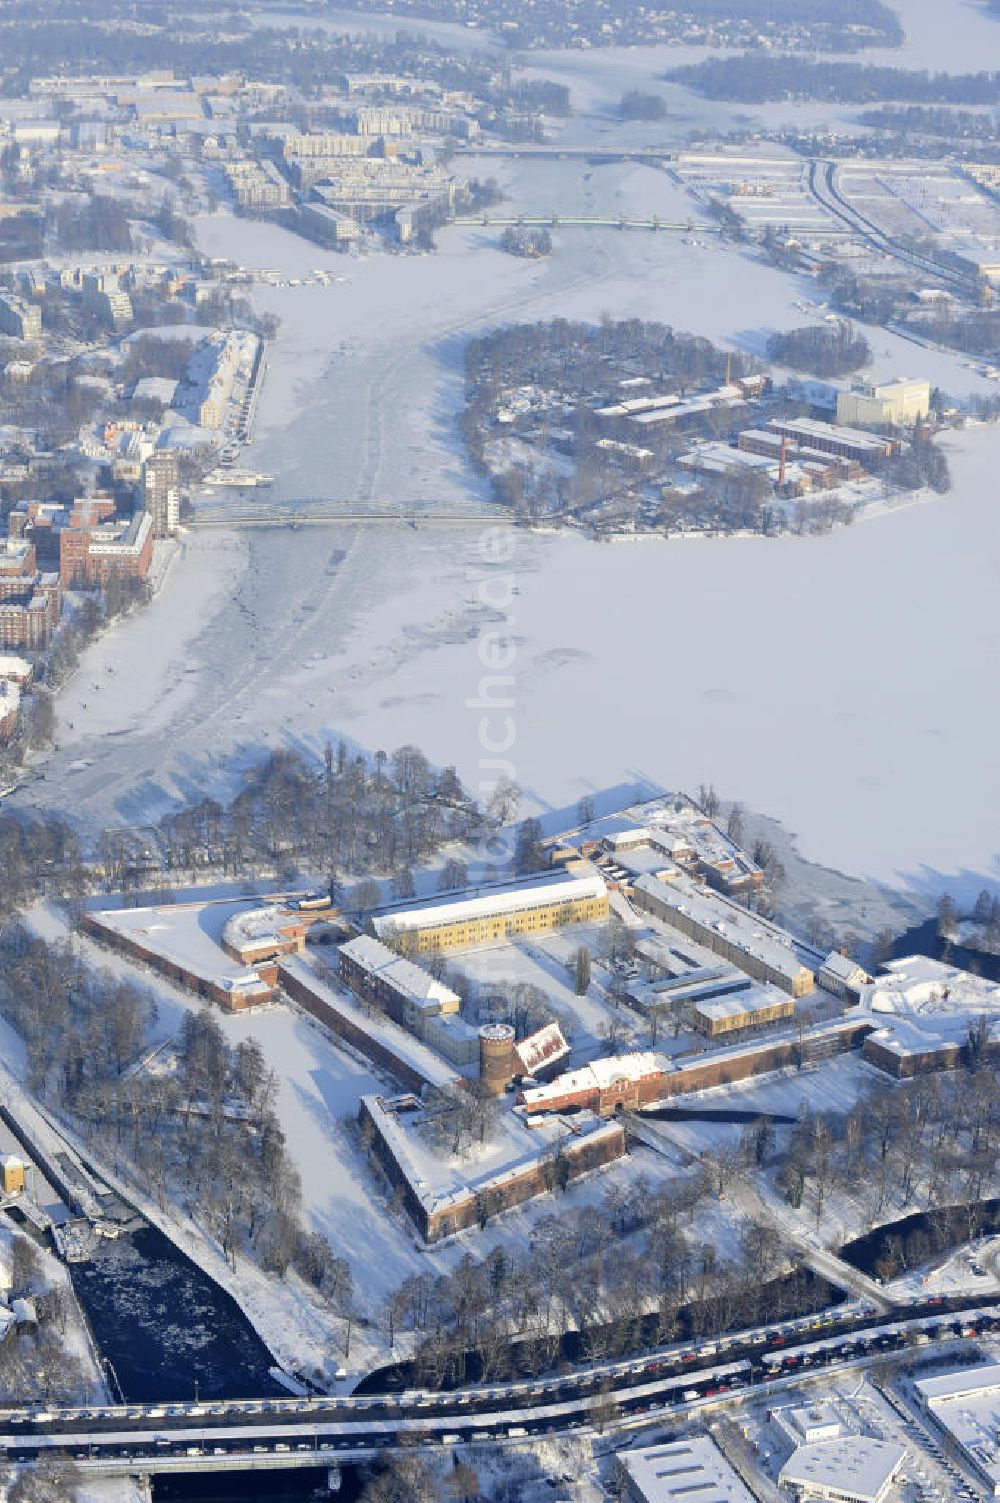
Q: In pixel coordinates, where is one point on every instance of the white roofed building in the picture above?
(618, 1083)
(746, 940)
(574, 894)
(966, 1406)
(849, 1469)
(542, 1050)
(691, 1470)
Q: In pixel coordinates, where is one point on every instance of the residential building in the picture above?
(16, 670)
(29, 624)
(10, 704)
(20, 319)
(29, 598)
(258, 185)
(18, 567)
(92, 555)
(103, 295)
(328, 226)
(163, 494)
(843, 976)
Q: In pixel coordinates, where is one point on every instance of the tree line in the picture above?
(757, 77)
(822, 349)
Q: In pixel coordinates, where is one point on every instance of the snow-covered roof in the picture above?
(918, 984)
(411, 981)
(542, 1049)
(382, 1030)
(156, 389)
(714, 913)
(509, 897)
(599, 1075)
(17, 669)
(682, 1471)
(258, 926)
(748, 1000)
(843, 968)
(959, 1385)
(854, 1467)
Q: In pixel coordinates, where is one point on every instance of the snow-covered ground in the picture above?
(840, 683)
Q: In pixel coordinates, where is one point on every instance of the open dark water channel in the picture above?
(167, 1329)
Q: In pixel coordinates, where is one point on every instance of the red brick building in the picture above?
(29, 600)
(95, 546)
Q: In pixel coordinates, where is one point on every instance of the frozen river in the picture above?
(843, 685)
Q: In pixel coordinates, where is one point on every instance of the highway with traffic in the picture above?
(312, 1431)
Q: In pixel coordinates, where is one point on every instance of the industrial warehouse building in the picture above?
(692, 1470)
(892, 403)
(573, 895)
(758, 948)
(829, 438)
(966, 1406)
(850, 1469)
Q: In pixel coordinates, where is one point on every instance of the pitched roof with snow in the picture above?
(411, 981)
(542, 1049)
(600, 1075)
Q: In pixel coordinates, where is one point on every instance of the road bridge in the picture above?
(666, 1377)
(232, 517)
(318, 1432)
(556, 220)
(553, 151)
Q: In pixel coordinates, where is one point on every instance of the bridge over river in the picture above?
(323, 1432)
(586, 221)
(294, 514)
